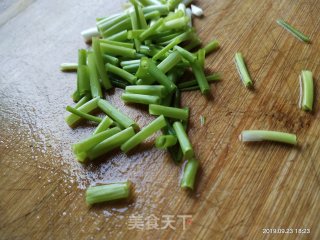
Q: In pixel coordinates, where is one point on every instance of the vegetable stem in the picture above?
(170, 112)
(109, 192)
(189, 174)
(264, 135)
(83, 115)
(243, 71)
(116, 115)
(145, 132)
(295, 32)
(183, 140)
(306, 90)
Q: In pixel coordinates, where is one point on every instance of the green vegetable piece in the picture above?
(103, 125)
(99, 63)
(242, 69)
(183, 140)
(189, 174)
(295, 32)
(109, 192)
(165, 141)
(147, 131)
(94, 79)
(140, 98)
(306, 90)
(72, 120)
(264, 135)
(88, 143)
(116, 115)
(170, 112)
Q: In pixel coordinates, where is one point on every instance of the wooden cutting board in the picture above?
(242, 190)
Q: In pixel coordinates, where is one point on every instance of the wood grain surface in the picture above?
(241, 188)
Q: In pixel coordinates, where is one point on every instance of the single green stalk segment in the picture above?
(147, 131)
(211, 46)
(140, 98)
(116, 115)
(106, 145)
(109, 192)
(103, 125)
(83, 81)
(120, 36)
(169, 62)
(155, 90)
(189, 174)
(243, 71)
(99, 63)
(118, 50)
(131, 68)
(121, 73)
(295, 32)
(170, 112)
(68, 67)
(211, 78)
(116, 43)
(94, 79)
(183, 139)
(306, 90)
(200, 77)
(202, 120)
(201, 57)
(83, 115)
(165, 141)
(110, 59)
(190, 57)
(72, 120)
(88, 143)
(135, 26)
(264, 135)
(149, 67)
(151, 30)
(164, 50)
(82, 101)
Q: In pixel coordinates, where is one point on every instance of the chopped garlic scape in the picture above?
(306, 90)
(264, 135)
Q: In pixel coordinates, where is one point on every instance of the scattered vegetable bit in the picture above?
(87, 107)
(83, 115)
(242, 69)
(116, 115)
(103, 125)
(147, 131)
(189, 174)
(88, 34)
(263, 135)
(68, 67)
(183, 140)
(170, 112)
(88, 143)
(109, 192)
(165, 141)
(202, 120)
(295, 32)
(140, 98)
(306, 90)
(107, 145)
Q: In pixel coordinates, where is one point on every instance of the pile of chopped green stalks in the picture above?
(145, 50)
